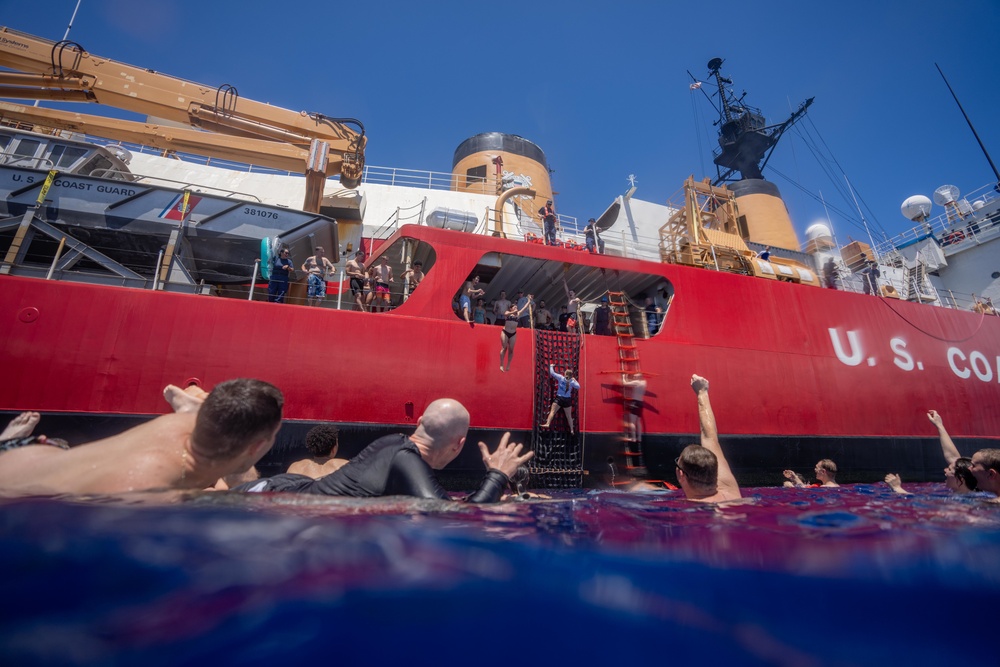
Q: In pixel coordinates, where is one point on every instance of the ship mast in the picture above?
(745, 139)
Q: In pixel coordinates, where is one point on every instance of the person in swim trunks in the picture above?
(509, 332)
(317, 267)
(188, 449)
(401, 465)
(355, 269)
(382, 273)
(564, 396)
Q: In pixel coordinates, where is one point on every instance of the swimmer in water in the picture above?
(702, 470)
(958, 476)
(322, 443)
(190, 449)
(986, 469)
(825, 471)
(404, 465)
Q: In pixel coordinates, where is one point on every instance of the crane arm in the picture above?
(64, 71)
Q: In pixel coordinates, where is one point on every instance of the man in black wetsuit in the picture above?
(401, 465)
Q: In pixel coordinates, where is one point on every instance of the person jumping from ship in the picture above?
(508, 334)
(702, 470)
(403, 465)
(563, 398)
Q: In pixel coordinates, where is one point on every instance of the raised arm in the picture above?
(948, 447)
(710, 434)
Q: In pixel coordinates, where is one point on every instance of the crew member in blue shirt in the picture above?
(563, 397)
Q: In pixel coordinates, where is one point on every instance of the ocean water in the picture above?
(851, 576)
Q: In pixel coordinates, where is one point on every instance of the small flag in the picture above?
(695, 86)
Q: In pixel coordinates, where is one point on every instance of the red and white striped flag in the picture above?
(695, 86)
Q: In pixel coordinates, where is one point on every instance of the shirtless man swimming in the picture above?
(702, 470)
(355, 269)
(190, 449)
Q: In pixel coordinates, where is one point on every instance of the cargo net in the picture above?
(558, 460)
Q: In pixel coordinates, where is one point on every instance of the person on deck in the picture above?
(355, 269)
(602, 318)
(500, 307)
(830, 273)
(524, 316)
(207, 438)
(702, 470)
(401, 465)
(470, 291)
(543, 317)
(382, 274)
(548, 215)
(958, 475)
(653, 314)
(281, 270)
(479, 312)
(317, 267)
(564, 396)
(765, 255)
(590, 232)
(322, 442)
(826, 475)
(413, 276)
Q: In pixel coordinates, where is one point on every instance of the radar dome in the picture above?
(916, 208)
(818, 230)
(946, 194)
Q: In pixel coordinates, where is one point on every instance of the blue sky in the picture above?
(601, 87)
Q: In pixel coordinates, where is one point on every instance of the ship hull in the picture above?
(796, 372)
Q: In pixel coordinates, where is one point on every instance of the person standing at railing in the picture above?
(524, 314)
(500, 307)
(356, 273)
(383, 276)
(281, 269)
(548, 215)
(593, 235)
(653, 315)
(317, 267)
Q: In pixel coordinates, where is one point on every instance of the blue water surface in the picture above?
(856, 575)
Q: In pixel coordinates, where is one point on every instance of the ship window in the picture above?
(23, 152)
(4, 142)
(64, 157)
(645, 297)
(475, 175)
(98, 166)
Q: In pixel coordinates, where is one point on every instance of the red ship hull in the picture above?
(795, 371)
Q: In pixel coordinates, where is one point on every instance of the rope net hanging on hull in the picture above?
(558, 460)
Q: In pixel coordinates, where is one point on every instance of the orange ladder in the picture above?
(628, 363)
